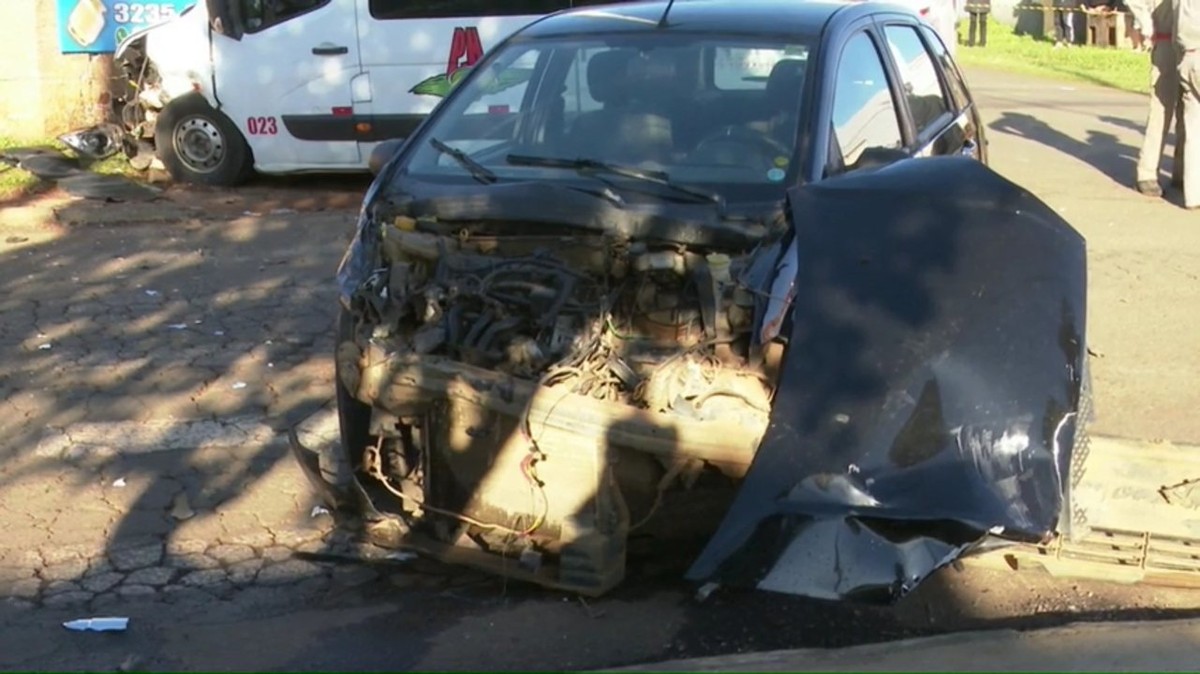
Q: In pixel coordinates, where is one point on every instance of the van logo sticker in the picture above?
(465, 51)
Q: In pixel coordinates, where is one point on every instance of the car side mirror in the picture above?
(383, 153)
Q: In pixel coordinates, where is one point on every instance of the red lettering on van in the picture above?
(465, 49)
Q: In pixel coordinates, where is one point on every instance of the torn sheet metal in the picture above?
(928, 394)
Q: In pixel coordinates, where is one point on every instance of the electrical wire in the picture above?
(378, 475)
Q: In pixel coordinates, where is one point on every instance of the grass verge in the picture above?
(16, 183)
(1118, 68)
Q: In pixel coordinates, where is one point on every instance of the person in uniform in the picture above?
(978, 11)
(1155, 20)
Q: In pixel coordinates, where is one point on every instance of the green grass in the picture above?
(1119, 68)
(16, 183)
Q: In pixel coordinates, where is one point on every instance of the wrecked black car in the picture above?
(739, 267)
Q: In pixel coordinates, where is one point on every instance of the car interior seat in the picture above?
(622, 130)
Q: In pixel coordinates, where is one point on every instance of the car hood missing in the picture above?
(929, 393)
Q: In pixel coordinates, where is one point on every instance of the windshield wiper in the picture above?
(478, 171)
(592, 166)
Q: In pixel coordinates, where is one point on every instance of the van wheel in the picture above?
(201, 145)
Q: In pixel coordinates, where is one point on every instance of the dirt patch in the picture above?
(266, 195)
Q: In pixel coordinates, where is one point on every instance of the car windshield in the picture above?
(671, 116)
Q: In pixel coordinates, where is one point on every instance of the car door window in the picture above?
(864, 112)
(954, 81)
(918, 78)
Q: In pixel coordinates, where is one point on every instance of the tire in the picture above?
(199, 144)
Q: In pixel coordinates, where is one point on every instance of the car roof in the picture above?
(765, 17)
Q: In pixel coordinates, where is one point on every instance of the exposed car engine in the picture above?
(644, 348)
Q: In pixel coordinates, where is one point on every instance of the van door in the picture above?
(439, 42)
(286, 81)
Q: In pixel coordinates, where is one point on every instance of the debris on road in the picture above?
(317, 511)
(239, 385)
(180, 509)
(95, 142)
(119, 482)
(44, 347)
(97, 624)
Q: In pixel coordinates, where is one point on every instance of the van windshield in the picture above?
(718, 114)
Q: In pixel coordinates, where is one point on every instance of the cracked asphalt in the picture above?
(154, 353)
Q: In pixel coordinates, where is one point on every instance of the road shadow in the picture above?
(154, 358)
(1101, 150)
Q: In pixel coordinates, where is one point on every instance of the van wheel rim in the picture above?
(199, 144)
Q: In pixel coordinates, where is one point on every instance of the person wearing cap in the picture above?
(1187, 41)
(1155, 20)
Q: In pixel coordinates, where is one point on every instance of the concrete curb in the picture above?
(1116, 647)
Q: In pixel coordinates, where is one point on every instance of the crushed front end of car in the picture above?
(845, 398)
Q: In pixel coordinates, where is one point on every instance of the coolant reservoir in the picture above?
(718, 265)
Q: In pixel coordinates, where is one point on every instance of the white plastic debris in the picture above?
(152, 293)
(239, 385)
(401, 556)
(317, 511)
(97, 624)
(44, 347)
(270, 364)
(178, 326)
(119, 482)
(706, 591)
(219, 333)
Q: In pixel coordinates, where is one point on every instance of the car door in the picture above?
(863, 123)
(938, 120)
(286, 82)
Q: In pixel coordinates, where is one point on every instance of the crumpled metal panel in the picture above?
(929, 389)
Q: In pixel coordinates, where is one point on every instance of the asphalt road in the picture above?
(1070, 145)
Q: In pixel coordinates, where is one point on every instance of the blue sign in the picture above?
(97, 26)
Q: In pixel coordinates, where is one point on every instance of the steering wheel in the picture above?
(764, 144)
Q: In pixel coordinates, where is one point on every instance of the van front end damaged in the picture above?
(159, 64)
(838, 406)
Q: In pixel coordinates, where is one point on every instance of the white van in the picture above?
(284, 86)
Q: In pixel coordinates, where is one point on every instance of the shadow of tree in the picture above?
(150, 370)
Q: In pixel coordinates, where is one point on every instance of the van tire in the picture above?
(199, 144)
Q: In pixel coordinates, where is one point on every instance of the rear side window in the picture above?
(864, 113)
(918, 76)
(958, 90)
(749, 68)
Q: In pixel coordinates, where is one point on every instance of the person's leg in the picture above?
(1189, 80)
(983, 21)
(973, 22)
(1164, 92)
(1180, 137)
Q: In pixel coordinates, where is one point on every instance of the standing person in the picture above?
(1187, 41)
(1064, 23)
(1155, 20)
(978, 9)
